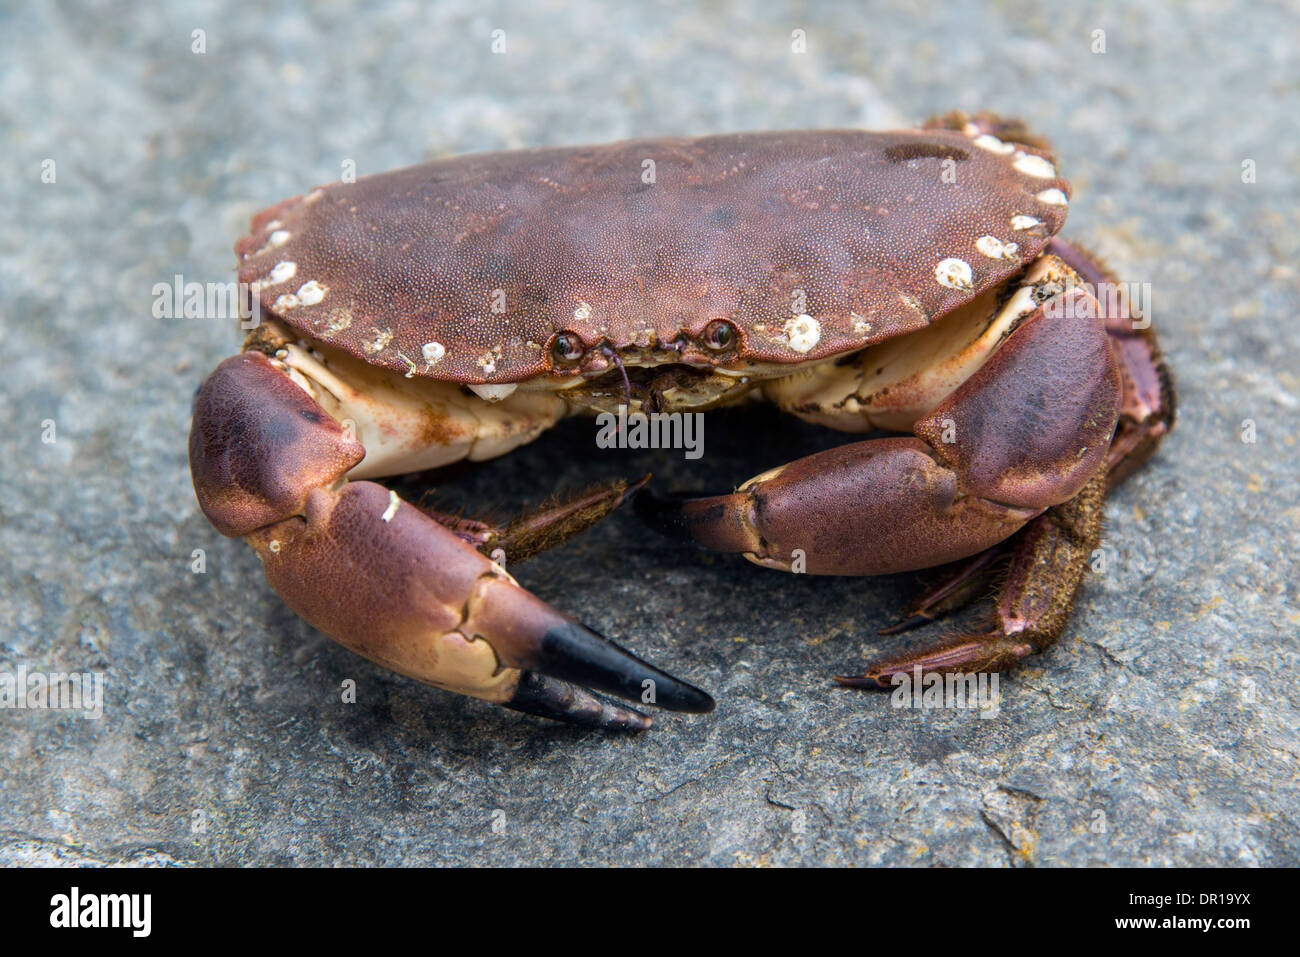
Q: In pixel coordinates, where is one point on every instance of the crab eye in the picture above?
(566, 348)
(720, 335)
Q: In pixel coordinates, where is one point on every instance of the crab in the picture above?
(910, 282)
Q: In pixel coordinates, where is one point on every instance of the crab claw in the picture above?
(383, 578)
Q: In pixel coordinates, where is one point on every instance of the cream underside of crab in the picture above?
(411, 424)
(407, 425)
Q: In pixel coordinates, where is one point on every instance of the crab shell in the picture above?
(812, 244)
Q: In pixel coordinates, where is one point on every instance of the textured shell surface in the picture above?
(811, 243)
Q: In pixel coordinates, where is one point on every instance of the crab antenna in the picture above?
(627, 384)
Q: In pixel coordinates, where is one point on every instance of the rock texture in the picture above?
(1162, 729)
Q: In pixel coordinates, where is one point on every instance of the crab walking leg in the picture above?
(1028, 430)
(964, 582)
(1048, 561)
(384, 579)
(541, 528)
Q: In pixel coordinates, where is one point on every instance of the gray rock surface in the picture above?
(1161, 730)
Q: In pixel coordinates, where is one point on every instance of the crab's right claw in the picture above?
(384, 579)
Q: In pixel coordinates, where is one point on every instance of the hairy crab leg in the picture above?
(384, 579)
(541, 528)
(958, 587)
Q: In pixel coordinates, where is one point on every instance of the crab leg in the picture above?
(1049, 556)
(1029, 430)
(962, 583)
(386, 580)
(542, 528)
(1048, 561)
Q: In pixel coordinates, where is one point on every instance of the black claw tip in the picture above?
(552, 698)
(665, 515)
(575, 653)
(714, 522)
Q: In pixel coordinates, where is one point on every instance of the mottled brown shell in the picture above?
(464, 269)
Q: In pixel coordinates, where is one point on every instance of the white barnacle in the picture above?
(340, 319)
(803, 332)
(393, 503)
(1052, 197)
(283, 272)
(582, 311)
(1025, 222)
(493, 393)
(380, 342)
(286, 302)
(311, 292)
(433, 352)
(987, 141)
(277, 238)
(954, 273)
(1031, 164)
(995, 248)
(860, 326)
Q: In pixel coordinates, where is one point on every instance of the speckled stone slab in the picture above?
(136, 144)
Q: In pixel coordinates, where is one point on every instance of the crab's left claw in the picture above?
(384, 579)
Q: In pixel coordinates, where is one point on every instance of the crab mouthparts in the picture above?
(660, 388)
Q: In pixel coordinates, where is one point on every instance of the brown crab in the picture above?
(908, 281)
